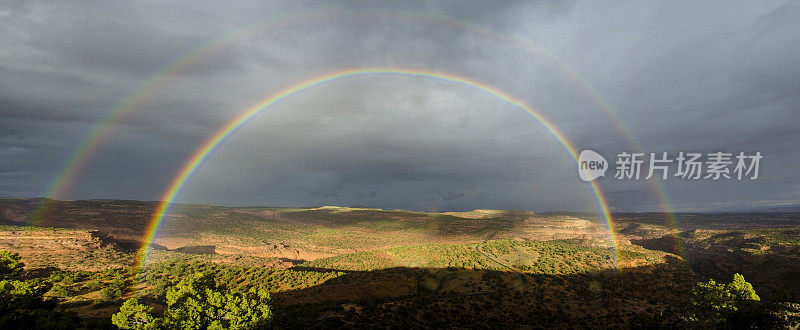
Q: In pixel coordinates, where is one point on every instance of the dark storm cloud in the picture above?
(683, 76)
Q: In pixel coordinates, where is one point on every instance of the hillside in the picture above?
(339, 266)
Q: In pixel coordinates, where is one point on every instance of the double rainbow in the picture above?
(199, 157)
(100, 133)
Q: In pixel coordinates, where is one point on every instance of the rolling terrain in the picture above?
(355, 267)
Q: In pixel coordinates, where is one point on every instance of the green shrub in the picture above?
(9, 263)
(713, 302)
(199, 303)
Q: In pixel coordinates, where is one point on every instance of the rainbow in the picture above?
(80, 157)
(100, 133)
(202, 153)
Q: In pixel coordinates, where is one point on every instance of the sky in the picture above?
(613, 77)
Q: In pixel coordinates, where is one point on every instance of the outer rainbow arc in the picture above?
(67, 175)
(223, 133)
(80, 157)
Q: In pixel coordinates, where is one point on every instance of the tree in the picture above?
(741, 290)
(110, 293)
(22, 305)
(9, 263)
(710, 301)
(135, 315)
(713, 302)
(115, 290)
(199, 303)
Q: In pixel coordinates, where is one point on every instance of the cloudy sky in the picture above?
(681, 77)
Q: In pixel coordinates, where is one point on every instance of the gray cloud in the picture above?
(682, 76)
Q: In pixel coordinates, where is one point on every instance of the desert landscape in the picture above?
(359, 267)
(383, 164)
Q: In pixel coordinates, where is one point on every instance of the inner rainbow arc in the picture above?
(223, 133)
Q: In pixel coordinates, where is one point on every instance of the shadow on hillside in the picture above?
(773, 270)
(127, 221)
(667, 243)
(117, 218)
(457, 297)
(197, 249)
(28, 274)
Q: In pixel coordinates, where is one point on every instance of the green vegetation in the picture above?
(198, 302)
(23, 304)
(159, 277)
(357, 267)
(713, 302)
(9, 263)
(135, 315)
(424, 255)
(550, 257)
